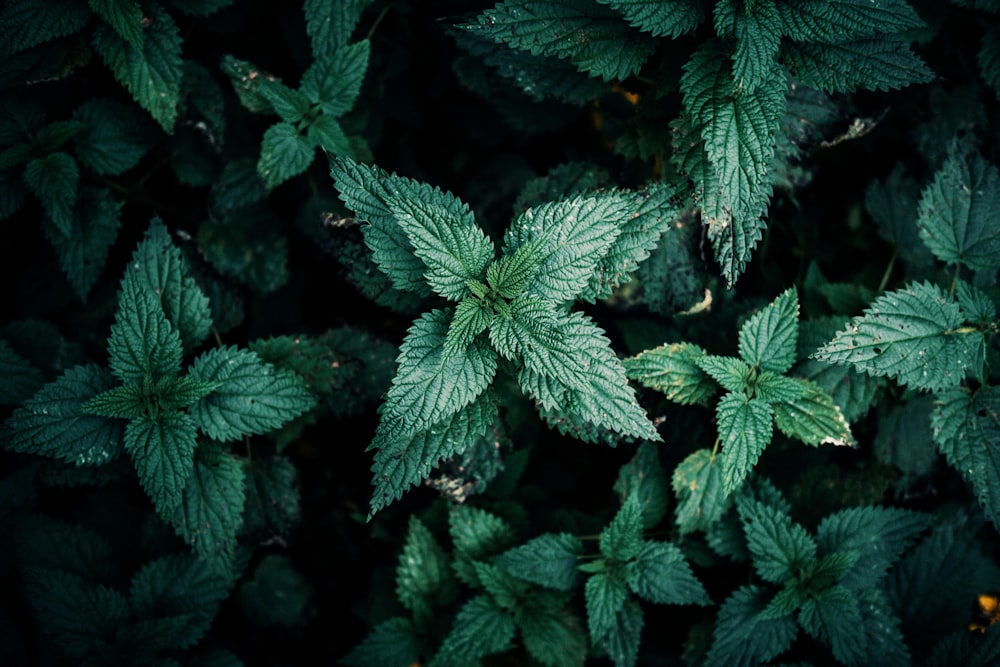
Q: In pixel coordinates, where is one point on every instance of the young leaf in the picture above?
(52, 422)
(162, 450)
(661, 19)
(327, 133)
(251, 397)
(592, 37)
(574, 234)
(151, 71)
(745, 429)
(875, 63)
(509, 276)
(211, 509)
(480, 629)
(291, 105)
(955, 218)
(768, 339)
(909, 335)
(392, 643)
(605, 594)
(673, 370)
(757, 30)
(549, 560)
(284, 152)
(334, 79)
(743, 635)
(781, 549)
(142, 342)
(54, 179)
(622, 538)
(661, 574)
(735, 375)
(966, 428)
(701, 495)
(812, 417)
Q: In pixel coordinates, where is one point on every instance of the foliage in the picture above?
(536, 332)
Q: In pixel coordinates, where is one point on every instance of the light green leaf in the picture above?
(574, 233)
(876, 63)
(777, 389)
(251, 397)
(745, 429)
(480, 629)
(511, 274)
(124, 16)
(661, 19)
(54, 179)
(151, 72)
(53, 424)
(910, 335)
(834, 21)
(592, 37)
(780, 548)
(210, 512)
(673, 370)
(28, 23)
(148, 398)
(660, 573)
(956, 212)
(549, 560)
(334, 79)
(163, 271)
(813, 417)
(604, 593)
(142, 342)
(83, 249)
(162, 451)
(701, 495)
(284, 153)
(966, 428)
(768, 339)
(622, 538)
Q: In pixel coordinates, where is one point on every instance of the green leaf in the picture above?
(834, 617)
(142, 341)
(83, 248)
(54, 179)
(575, 234)
(506, 590)
(892, 202)
(272, 497)
(52, 422)
(757, 30)
(592, 37)
(604, 593)
(423, 575)
(876, 63)
(768, 339)
(392, 643)
(53, 544)
(247, 80)
(673, 370)
(743, 635)
(20, 379)
(327, 133)
(510, 275)
(878, 535)
(179, 585)
(162, 451)
(645, 477)
(780, 548)
(622, 640)
(661, 19)
(211, 509)
(428, 388)
(330, 23)
(28, 23)
(701, 495)
(834, 21)
(403, 460)
(745, 429)
(163, 271)
(955, 219)
(124, 16)
(334, 79)
(977, 306)
(661, 574)
(284, 153)
(148, 398)
(250, 247)
(548, 560)
(908, 335)
(552, 633)
(251, 397)
(622, 538)
(78, 615)
(237, 186)
(966, 428)
(477, 535)
(813, 417)
(291, 105)
(151, 71)
(480, 629)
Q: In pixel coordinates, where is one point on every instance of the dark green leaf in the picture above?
(54, 179)
(549, 560)
(391, 643)
(768, 339)
(142, 343)
(701, 495)
(480, 629)
(83, 250)
(673, 370)
(780, 547)
(622, 538)
(162, 451)
(605, 594)
(660, 573)
(334, 80)
(27, 23)
(284, 153)
(645, 477)
(745, 429)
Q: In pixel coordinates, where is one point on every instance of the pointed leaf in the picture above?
(622, 538)
(423, 574)
(330, 23)
(480, 629)
(284, 153)
(622, 640)
(673, 370)
(661, 19)
(833, 616)
(551, 631)
(54, 180)
(745, 429)
(813, 417)
(334, 79)
(605, 594)
(735, 375)
(327, 133)
(162, 451)
(251, 397)
(701, 494)
(838, 20)
(646, 478)
(875, 63)
(549, 560)
(83, 248)
(743, 635)
(142, 342)
(781, 549)
(768, 339)
(392, 643)
(660, 573)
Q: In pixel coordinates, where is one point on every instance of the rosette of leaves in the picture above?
(758, 396)
(173, 423)
(510, 312)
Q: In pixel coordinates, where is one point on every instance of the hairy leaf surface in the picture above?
(673, 370)
(549, 560)
(701, 494)
(768, 339)
(162, 450)
(834, 21)
(660, 573)
(876, 63)
(745, 429)
(661, 19)
(780, 548)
